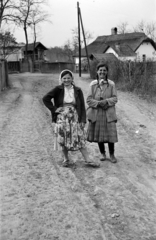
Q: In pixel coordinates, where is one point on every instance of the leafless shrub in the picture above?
(139, 77)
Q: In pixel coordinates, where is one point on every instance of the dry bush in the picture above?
(139, 77)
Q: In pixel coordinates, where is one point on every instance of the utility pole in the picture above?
(79, 37)
(84, 39)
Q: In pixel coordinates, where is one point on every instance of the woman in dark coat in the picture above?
(101, 100)
(66, 103)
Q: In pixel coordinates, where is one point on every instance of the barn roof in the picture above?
(51, 56)
(37, 44)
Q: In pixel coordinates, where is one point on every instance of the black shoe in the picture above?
(103, 157)
(65, 163)
(92, 164)
(113, 158)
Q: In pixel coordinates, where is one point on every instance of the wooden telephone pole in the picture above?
(84, 40)
(79, 38)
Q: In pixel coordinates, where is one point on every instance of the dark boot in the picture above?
(111, 152)
(113, 158)
(103, 156)
(102, 151)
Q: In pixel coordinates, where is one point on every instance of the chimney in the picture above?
(114, 31)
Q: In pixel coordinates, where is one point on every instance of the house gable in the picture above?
(36, 55)
(110, 50)
(146, 50)
(38, 45)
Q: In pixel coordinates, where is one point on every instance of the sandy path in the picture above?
(42, 200)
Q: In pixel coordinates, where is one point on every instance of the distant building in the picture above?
(35, 52)
(57, 61)
(53, 57)
(128, 46)
(13, 52)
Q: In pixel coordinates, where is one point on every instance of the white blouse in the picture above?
(69, 95)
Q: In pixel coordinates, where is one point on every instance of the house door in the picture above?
(37, 67)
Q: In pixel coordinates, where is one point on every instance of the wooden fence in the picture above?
(4, 78)
(39, 66)
(55, 67)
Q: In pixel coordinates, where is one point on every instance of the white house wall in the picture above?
(147, 49)
(110, 50)
(126, 58)
(16, 56)
(76, 59)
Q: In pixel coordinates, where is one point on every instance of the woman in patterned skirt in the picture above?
(101, 113)
(66, 103)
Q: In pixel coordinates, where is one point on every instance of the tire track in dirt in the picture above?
(134, 178)
(126, 189)
(129, 190)
(36, 202)
(42, 200)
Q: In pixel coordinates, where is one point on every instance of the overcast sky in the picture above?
(98, 16)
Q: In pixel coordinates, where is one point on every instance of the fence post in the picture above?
(0, 76)
(145, 70)
(3, 75)
(4, 79)
(129, 71)
(6, 74)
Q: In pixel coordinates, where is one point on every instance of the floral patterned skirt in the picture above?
(68, 131)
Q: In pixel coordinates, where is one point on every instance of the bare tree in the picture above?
(140, 27)
(88, 37)
(7, 8)
(122, 28)
(23, 16)
(148, 28)
(67, 49)
(36, 18)
(151, 30)
(8, 44)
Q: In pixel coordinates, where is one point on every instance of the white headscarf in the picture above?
(60, 81)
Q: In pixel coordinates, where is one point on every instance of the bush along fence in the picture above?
(132, 76)
(4, 78)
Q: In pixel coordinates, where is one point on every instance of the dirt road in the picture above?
(41, 200)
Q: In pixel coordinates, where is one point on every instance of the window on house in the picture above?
(144, 57)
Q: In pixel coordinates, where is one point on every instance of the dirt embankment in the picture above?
(42, 200)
